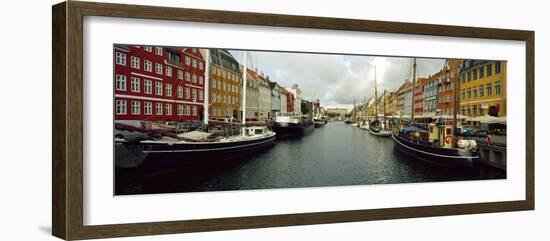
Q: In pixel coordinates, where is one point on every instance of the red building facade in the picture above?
(158, 84)
(446, 93)
(419, 96)
(289, 102)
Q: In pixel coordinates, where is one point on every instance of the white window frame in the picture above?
(187, 76)
(180, 74)
(194, 63)
(148, 48)
(180, 92)
(201, 80)
(148, 66)
(168, 89)
(187, 93)
(136, 107)
(194, 79)
(180, 110)
(194, 94)
(201, 95)
(158, 109)
(120, 58)
(148, 108)
(120, 82)
(148, 86)
(201, 65)
(168, 109)
(158, 88)
(158, 51)
(135, 84)
(134, 62)
(121, 108)
(187, 60)
(194, 110)
(168, 71)
(158, 68)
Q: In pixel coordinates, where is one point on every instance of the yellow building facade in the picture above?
(225, 86)
(483, 88)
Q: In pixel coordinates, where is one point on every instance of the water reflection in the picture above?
(333, 155)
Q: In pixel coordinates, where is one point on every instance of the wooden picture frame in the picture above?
(67, 123)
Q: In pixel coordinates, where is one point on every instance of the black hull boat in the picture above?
(451, 157)
(291, 130)
(154, 157)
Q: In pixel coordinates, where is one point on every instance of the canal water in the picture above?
(333, 155)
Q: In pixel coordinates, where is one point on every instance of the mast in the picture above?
(243, 100)
(206, 86)
(375, 96)
(456, 96)
(413, 85)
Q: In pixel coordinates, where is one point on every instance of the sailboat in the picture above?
(436, 144)
(169, 152)
(377, 127)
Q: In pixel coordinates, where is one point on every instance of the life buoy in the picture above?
(448, 139)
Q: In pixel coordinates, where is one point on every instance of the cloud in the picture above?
(337, 80)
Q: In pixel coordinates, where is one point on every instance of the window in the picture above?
(187, 60)
(158, 51)
(200, 80)
(187, 93)
(121, 107)
(497, 67)
(201, 66)
(158, 68)
(147, 86)
(148, 49)
(158, 88)
(224, 86)
(180, 110)
(475, 93)
(194, 110)
(219, 98)
(158, 109)
(168, 109)
(180, 74)
(223, 73)
(168, 89)
(120, 82)
(187, 76)
(168, 71)
(213, 83)
(213, 70)
(120, 58)
(481, 91)
(180, 92)
(194, 91)
(463, 78)
(213, 99)
(135, 84)
(469, 93)
(194, 65)
(187, 110)
(489, 89)
(219, 71)
(201, 95)
(481, 72)
(148, 108)
(475, 74)
(219, 84)
(469, 76)
(497, 87)
(148, 65)
(135, 107)
(134, 62)
(489, 69)
(194, 80)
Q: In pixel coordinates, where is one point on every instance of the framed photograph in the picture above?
(172, 120)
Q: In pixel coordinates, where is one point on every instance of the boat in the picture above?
(164, 149)
(436, 142)
(319, 122)
(376, 126)
(292, 125)
(194, 148)
(420, 143)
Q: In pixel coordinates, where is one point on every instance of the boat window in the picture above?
(258, 131)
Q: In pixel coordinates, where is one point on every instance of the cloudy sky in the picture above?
(337, 79)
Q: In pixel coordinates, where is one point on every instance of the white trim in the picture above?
(480, 101)
(146, 76)
(156, 99)
(438, 155)
(268, 139)
(194, 86)
(121, 49)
